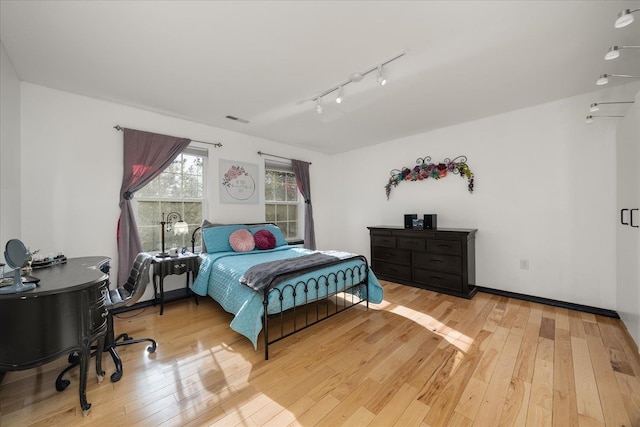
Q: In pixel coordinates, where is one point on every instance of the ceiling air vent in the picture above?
(237, 119)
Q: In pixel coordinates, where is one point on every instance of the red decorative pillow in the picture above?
(242, 241)
(264, 239)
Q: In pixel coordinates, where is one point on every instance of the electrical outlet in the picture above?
(524, 264)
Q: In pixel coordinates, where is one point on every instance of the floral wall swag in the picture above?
(425, 169)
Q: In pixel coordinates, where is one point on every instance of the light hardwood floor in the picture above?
(417, 359)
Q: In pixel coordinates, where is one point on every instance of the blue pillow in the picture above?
(216, 239)
(275, 230)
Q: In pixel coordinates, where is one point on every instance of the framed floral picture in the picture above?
(238, 182)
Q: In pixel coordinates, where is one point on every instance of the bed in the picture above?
(273, 287)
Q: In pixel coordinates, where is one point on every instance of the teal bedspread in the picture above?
(219, 277)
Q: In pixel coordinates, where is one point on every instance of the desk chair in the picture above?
(125, 295)
(122, 296)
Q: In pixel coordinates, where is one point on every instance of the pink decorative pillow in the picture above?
(264, 239)
(242, 241)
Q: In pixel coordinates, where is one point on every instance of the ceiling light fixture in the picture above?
(590, 118)
(353, 78)
(596, 105)
(382, 80)
(340, 96)
(624, 18)
(604, 78)
(614, 51)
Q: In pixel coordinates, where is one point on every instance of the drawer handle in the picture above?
(393, 270)
(444, 246)
(103, 291)
(436, 260)
(437, 278)
(179, 266)
(388, 254)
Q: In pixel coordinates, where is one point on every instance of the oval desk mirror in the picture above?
(17, 256)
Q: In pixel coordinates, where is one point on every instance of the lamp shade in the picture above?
(180, 227)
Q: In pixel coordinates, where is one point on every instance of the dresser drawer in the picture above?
(392, 255)
(432, 261)
(412, 243)
(386, 241)
(444, 246)
(439, 279)
(392, 270)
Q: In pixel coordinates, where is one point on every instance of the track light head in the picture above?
(604, 78)
(318, 106)
(612, 53)
(340, 96)
(624, 18)
(382, 80)
(594, 107)
(590, 118)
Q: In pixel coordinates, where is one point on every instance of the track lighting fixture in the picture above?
(596, 105)
(340, 96)
(614, 51)
(624, 18)
(604, 78)
(382, 80)
(590, 118)
(353, 78)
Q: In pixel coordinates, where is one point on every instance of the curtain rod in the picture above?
(215, 144)
(273, 155)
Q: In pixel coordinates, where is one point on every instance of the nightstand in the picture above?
(163, 267)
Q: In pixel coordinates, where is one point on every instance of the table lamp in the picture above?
(179, 227)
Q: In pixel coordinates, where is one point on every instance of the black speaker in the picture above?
(430, 222)
(408, 220)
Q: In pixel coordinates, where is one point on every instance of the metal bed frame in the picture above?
(343, 288)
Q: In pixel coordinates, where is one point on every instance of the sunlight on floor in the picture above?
(454, 337)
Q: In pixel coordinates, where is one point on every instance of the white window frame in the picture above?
(285, 167)
(185, 241)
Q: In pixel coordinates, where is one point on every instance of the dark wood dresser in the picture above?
(441, 260)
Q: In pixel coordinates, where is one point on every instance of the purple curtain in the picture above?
(301, 170)
(146, 155)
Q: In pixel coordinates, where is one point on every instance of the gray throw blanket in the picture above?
(269, 274)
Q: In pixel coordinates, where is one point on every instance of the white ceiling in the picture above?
(257, 60)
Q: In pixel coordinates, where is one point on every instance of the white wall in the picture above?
(544, 191)
(10, 182)
(545, 188)
(72, 170)
(628, 250)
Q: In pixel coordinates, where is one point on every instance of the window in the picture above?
(179, 188)
(282, 204)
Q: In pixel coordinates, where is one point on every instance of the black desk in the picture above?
(64, 314)
(163, 267)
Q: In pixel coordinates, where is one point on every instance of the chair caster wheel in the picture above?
(115, 377)
(62, 384)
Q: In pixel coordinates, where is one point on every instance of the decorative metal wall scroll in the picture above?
(424, 169)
